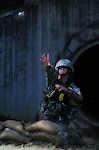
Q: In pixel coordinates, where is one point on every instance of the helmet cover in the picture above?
(65, 63)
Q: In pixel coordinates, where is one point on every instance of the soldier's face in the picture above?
(62, 70)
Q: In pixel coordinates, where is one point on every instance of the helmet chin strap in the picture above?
(63, 74)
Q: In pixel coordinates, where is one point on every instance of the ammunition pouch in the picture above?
(54, 108)
(57, 96)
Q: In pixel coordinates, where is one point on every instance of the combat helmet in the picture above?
(65, 63)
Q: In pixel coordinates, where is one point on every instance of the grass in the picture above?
(29, 147)
(24, 148)
(38, 147)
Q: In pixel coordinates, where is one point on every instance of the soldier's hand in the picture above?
(60, 87)
(46, 59)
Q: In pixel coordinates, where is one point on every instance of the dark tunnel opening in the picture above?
(86, 77)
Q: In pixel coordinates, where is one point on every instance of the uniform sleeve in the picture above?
(75, 94)
(51, 75)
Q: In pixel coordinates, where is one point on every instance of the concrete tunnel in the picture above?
(86, 77)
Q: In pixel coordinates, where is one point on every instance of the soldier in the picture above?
(62, 96)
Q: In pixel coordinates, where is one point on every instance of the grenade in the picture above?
(61, 97)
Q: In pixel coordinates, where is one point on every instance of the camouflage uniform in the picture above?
(60, 106)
